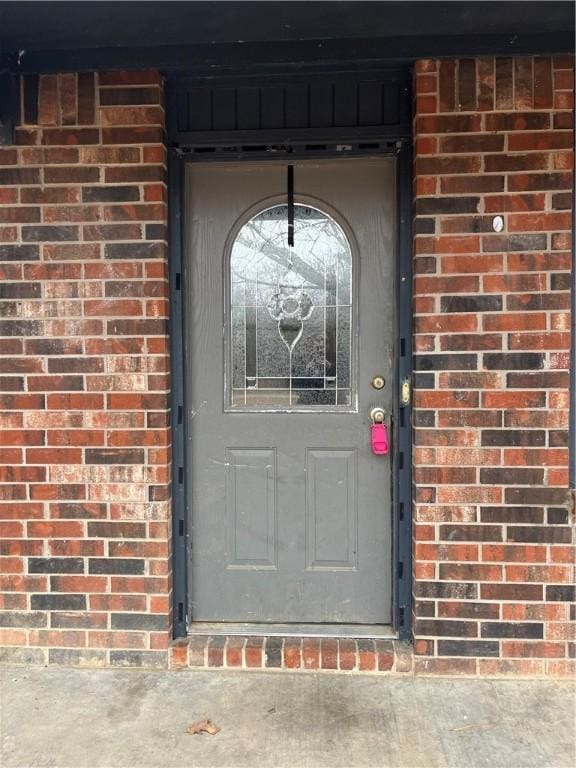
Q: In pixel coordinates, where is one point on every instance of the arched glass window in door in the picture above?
(290, 337)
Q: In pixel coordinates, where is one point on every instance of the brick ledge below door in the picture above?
(304, 654)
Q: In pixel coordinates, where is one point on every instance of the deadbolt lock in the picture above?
(378, 382)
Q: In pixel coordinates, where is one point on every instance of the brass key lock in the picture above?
(378, 382)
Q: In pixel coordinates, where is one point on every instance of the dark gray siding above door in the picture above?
(313, 107)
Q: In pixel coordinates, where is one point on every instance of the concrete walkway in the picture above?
(67, 718)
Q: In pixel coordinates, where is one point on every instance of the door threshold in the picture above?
(353, 631)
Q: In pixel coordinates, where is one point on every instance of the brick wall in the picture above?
(493, 555)
(84, 469)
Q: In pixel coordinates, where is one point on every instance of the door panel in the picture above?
(290, 510)
(331, 509)
(251, 501)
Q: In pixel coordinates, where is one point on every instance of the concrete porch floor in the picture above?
(71, 718)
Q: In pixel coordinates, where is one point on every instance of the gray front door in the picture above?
(290, 511)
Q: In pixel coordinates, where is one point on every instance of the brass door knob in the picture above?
(377, 414)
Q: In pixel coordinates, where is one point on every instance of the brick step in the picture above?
(306, 654)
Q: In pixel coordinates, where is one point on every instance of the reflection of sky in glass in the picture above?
(279, 359)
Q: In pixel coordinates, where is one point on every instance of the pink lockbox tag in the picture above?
(379, 439)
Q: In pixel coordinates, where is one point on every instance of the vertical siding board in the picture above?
(248, 108)
(370, 104)
(321, 104)
(346, 103)
(273, 107)
(224, 105)
(297, 106)
(392, 103)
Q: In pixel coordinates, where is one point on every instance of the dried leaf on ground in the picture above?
(203, 726)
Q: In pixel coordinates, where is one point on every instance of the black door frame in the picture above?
(401, 147)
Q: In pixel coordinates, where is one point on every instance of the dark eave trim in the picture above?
(230, 58)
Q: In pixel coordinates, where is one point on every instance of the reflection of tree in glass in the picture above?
(292, 284)
(261, 248)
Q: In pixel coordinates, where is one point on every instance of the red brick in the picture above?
(529, 321)
(62, 491)
(470, 184)
(561, 668)
(55, 529)
(11, 455)
(536, 457)
(48, 108)
(471, 143)
(346, 654)
(132, 115)
(117, 640)
(234, 649)
(447, 552)
(292, 653)
(179, 653)
(446, 323)
(426, 83)
(75, 401)
(22, 437)
(446, 666)
(539, 222)
(471, 264)
(12, 636)
(11, 565)
(385, 655)
(448, 244)
(426, 104)
(448, 124)
(54, 456)
(311, 653)
(511, 667)
(367, 658)
(533, 612)
(539, 573)
(18, 583)
(70, 136)
(118, 602)
(329, 653)
(425, 65)
(21, 510)
(82, 584)
(447, 85)
(253, 652)
(512, 399)
(471, 572)
(539, 650)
